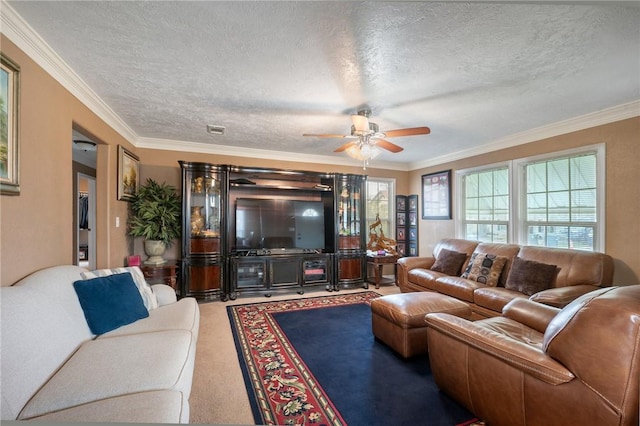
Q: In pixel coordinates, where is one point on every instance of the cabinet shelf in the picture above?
(281, 187)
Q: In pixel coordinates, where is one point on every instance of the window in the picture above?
(552, 200)
(560, 201)
(486, 201)
(379, 192)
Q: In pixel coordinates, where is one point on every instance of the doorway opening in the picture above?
(84, 153)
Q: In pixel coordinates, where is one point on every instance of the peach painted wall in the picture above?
(622, 229)
(36, 228)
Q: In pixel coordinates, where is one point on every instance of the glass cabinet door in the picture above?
(203, 199)
(204, 212)
(349, 212)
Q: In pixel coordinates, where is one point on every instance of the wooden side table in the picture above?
(378, 263)
(161, 274)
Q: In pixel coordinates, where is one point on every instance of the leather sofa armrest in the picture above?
(405, 264)
(532, 314)
(527, 358)
(562, 296)
(164, 294)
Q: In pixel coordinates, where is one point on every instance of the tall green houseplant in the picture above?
(155, 215)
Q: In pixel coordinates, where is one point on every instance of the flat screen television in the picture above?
(279, 223)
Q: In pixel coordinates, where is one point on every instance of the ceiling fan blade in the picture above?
(328, 135)
(360, 122)
(388, 145)
(345, 146)
(408, 132)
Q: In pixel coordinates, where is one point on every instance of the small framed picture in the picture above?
(400, 234)
(413, 203)
(436, 196)
(413, 218)
(128, 174)
(9, 143)
(401, 203)
(401, 219)
(402, 252)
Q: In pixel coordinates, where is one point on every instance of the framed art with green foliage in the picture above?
(128, 174)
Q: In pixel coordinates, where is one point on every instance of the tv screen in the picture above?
(279, 223)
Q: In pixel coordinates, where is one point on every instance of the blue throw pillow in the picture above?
(110, 302)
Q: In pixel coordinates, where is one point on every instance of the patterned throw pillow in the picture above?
(449, 262)
(485, 268)
(149, 299)
(530, 277)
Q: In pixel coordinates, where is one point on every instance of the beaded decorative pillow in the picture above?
(485, 268)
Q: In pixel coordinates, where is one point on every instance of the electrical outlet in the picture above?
(117, 221)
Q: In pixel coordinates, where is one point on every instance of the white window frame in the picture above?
(517, 231)
(460, 196)
(519, 208)
(391, 182)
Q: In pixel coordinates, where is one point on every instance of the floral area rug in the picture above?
(315, 361)
(283, 391)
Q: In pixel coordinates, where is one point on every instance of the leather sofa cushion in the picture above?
(458, 287)
(424, 277)
(576, 267)
(495, 298)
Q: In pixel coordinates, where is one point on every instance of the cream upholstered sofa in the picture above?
(551, 276)
(54, 368)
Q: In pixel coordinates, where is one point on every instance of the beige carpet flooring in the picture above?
(218, 394)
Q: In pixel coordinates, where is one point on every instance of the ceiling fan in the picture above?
(367, 137)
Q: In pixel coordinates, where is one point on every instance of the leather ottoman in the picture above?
(398, 319)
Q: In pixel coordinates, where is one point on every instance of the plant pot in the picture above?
(154, 249)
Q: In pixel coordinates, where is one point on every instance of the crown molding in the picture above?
(598, 118)
(205, 148)
(15, 28)
(28, 40)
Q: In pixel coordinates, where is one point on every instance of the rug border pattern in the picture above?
(254, 323)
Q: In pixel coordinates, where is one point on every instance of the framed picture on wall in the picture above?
(128, 174)
(9, 148)
(436, 195)
(413, 203)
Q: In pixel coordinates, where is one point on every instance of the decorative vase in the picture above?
(197, 220)
(154, 249)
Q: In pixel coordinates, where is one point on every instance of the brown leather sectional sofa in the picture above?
(539, 365)
(576, 273)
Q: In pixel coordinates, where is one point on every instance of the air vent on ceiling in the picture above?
(215, 130)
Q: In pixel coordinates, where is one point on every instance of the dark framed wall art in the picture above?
(401, 225)
(436, 195)
(412, 225)
(9, 144)
(128, 174)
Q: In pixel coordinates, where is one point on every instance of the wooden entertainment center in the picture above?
(261, 230)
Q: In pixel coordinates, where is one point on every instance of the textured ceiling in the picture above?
(271, 71)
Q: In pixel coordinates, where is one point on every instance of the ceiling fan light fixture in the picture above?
(360, 123)
(86, 146)
(363, 151)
